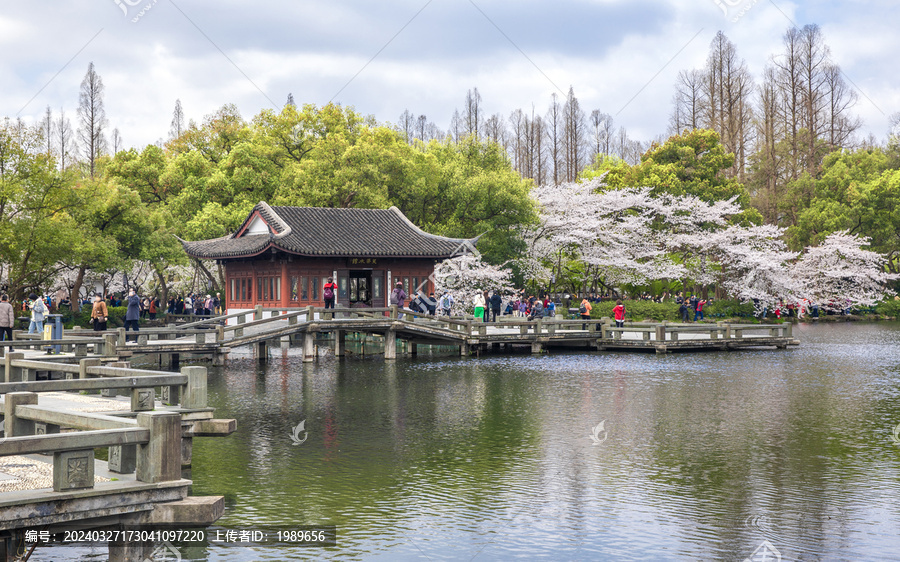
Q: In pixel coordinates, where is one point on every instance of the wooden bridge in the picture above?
(215, 337)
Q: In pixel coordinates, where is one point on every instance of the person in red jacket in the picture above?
(619, 314)
(699, 310)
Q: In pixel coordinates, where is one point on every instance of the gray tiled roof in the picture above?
(320, 231)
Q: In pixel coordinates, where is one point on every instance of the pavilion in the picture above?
(281, 257)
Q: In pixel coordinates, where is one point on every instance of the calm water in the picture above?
(699, 457)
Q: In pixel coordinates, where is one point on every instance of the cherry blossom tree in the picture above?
(839, 270)
(631, 236)
(466, 276)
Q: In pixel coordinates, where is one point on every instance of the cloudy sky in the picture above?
(620, 56)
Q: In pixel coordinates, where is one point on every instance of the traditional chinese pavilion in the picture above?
(282, 256)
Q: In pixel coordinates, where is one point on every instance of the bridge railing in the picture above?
(149, 445)
(188, 389)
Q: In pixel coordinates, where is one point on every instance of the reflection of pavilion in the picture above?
(282, 256)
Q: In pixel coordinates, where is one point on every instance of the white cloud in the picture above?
(607, 50)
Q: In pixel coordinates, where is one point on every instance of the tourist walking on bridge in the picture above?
(496, 304)
(619, 314)
(38, 309)
(133, 314)
(446, 303)
(7, 318)
(585, 310)
(329, 291)
(479, 307)
(398, 297)
(99, 314)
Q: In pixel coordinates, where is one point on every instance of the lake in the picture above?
(570, 456)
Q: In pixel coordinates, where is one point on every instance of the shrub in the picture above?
(636, 311)
(729, 309)
(889, 307)
(83, 317)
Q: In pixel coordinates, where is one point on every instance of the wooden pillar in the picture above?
(390, 344)
(13, 374)
(194, 395)
(285, 286)
(309, 347)
(340, 342)
(159, 460)
(14, 426)
(110, 341)
(661, 333)
(262, 350)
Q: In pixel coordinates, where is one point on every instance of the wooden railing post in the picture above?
(73, 470)
(14, 426)
(109, 345)
(159, 460)
(394, 311)
(220, 334)
(257, 312)
(195, 391)
(661, 333)
(12, 374)
(83, 366)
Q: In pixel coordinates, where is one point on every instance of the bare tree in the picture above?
(573, 139)
(405, 125)
(495, 129)
(727, 88)
(689, 102)
(456, 127)
(91, 118)
(472, 112)
(422, 128)
(116, 141)
(46, 127)
(62, 139)
(177, 126)
(840, 124)
(553, 130)
(601, 131)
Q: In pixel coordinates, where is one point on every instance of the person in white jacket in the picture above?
(479, 305)
(38, 310)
